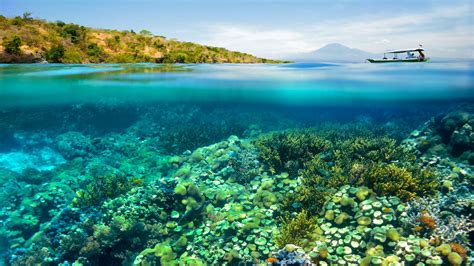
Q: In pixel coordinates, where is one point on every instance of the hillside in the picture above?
(334, 52)
(28, 40)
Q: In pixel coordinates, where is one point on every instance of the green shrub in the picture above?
(17, 21)
(120, 58)
(72, 55)
(158, 45)
(55, 54)
(146, 32)
(95, 53)
(74, 32)
(12, 46)
(175, 57)
(94, 50)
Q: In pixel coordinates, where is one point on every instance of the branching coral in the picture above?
(427, 222)
(318, 182)
(245, 165)
(428, 218)
(289, 150)
(297, 231)
(405, 183)
(375, 149)
(101, 188)
(375, 162)
(385, 167)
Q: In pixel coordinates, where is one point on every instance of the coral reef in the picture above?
(433, 219)
(167, 191)
(445, 135)
(296, 231)
(74, 144)
(288, 151)
(376, 162)
(369, 230)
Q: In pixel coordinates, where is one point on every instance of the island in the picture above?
(24, 39)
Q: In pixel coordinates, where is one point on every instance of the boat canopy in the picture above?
(404, 51)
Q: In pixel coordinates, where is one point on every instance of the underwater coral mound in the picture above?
(376, 162)
(447, 135)
(287, 151)
(356, 226)
(101, 188)
(403, 182)
(104, 233)
(74, 144)
(436, 219)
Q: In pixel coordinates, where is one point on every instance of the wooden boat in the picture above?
(410, 56)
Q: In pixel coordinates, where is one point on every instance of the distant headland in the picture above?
(28, 40)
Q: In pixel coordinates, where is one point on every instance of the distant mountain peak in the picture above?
(335, 44)
(334, 52)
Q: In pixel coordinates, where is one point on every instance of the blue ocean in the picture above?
(237, 164)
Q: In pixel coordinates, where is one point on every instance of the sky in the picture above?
(277, 28)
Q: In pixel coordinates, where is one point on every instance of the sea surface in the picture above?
(128, 164)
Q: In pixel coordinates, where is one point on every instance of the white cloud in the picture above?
(268, 42)
(447, 31)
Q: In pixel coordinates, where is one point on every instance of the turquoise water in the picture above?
(293, 84)
(205, 162)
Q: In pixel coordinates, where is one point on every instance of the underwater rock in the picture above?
(448, 135)
(74, 144)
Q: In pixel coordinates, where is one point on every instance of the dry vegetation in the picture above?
(25, 40)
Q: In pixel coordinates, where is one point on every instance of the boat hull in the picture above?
(413, 60)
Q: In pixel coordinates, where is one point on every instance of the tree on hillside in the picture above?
(95, 53)
(74, 32)
(94, 50)
(12, 46)
(146, 32)
(27, 16)
(55, 54)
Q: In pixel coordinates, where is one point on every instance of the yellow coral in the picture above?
(296, 231)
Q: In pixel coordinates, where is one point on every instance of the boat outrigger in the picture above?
(410, 56)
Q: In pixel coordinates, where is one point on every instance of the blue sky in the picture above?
(277, 28)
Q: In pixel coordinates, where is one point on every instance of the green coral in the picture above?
(161, 250)
(190, 194)
(375, 162)
(289, 150)
(402, 182)
(98, 189)
(297, 231)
